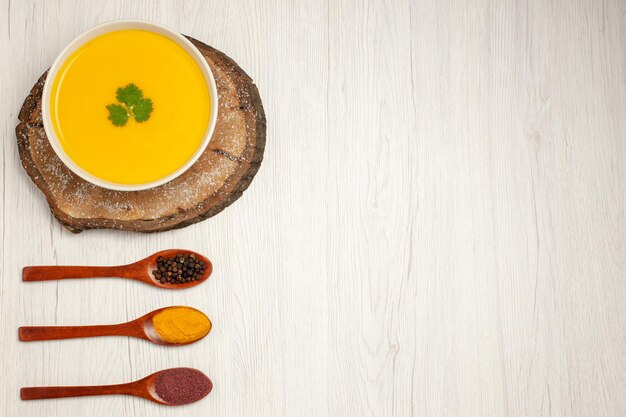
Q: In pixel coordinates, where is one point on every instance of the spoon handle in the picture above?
(40, 393)
(34, 333)
(48, 273)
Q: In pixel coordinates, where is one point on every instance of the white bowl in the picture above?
(112, 27)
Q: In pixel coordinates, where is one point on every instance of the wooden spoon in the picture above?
(142, 328)
(145, 388)
(140, 270)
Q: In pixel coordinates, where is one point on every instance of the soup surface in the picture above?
(148, 131)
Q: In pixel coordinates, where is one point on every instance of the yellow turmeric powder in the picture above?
(181, 324)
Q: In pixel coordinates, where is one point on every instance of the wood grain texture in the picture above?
(438, 228)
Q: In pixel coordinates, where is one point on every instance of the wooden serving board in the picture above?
(216, 180)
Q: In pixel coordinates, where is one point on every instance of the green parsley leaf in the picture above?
(129, 95)
(142, 110)
(117, 114)
(132, 105)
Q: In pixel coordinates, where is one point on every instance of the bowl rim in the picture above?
(112, 26)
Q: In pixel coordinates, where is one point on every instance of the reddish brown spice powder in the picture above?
(182, 385)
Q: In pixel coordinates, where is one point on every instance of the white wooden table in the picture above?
(438, 228)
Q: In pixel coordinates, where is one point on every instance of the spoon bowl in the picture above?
(164, 387)
(140, 270)
(142, 328)
(151, 334)
(151, 263)
(190, 384)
